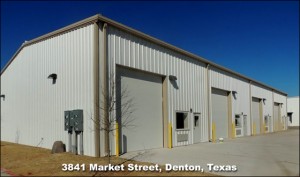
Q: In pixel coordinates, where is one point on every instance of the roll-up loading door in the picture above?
(256, 115)
(145, 130)
(276, 116)
(220, 112)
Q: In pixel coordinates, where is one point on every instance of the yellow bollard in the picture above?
(254, 129)
(117, 139)
(170, 136)
(213, 132)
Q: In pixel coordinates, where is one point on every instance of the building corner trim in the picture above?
(96, 89)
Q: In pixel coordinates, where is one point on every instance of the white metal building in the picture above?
(180, 98)
(293, 111)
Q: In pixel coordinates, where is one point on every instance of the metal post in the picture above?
(74, 139)
(76, 143)
(81, 143)
(70, 140)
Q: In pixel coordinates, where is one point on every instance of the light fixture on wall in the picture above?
(264, 100)
(172, 78)
(2, 96)
(234, 94)
(53, 76)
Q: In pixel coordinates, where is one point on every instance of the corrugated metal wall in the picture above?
(260, 92)
(293, 107)
(131, 51)
(34, 108)
(283, 108)
(281, 99)
(226, 81)
(36, 111)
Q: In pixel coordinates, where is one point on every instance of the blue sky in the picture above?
(257, 39)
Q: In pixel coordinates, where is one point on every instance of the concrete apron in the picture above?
(275, 154)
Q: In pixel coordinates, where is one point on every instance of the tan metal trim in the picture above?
(250, 112)
(273, 116)
(279, 117)
(12, 58)
(262, 128)
(208, 102)
(103, 83)
(96, 90)
(139, 34)
(68, 28)
(229, 102)
(165, 112)
(286, 119)
(105, 90)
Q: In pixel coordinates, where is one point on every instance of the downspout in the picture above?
(96, 90)
(208, 102)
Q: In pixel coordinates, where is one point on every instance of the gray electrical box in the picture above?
(78, 119)
(67, 121)
(74, 119)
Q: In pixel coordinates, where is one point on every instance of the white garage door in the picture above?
(220, 112)
(145, 130)
(255, 115)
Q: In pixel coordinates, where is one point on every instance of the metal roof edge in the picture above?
(184, 52)
(12, 58)
(52, 34)
(99, 17)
